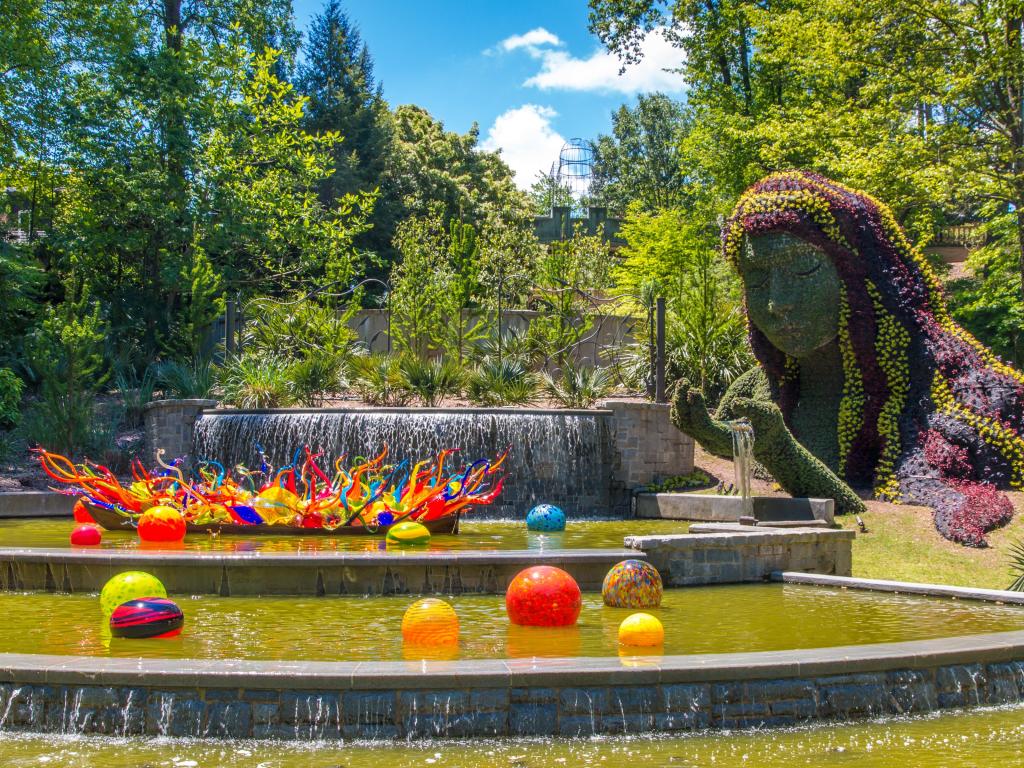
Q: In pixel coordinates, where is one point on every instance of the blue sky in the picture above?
(527, 71)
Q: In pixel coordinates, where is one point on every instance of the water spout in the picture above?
(742, 458)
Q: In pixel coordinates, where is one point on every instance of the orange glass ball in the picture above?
(82, 515)
(543, 596)
(161, 524)
(430, 622)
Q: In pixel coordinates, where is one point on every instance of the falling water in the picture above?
(557, 458)
(742, 456)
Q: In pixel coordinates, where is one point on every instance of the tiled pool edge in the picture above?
(576, 696)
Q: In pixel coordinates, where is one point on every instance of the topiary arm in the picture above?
(690, 414)
(793, 466)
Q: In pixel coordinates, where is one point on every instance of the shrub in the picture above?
(314, 377)
(256, 381)
(135, 393)
(186, 381)
(11, 388)
(431, 381)
(509, 382)
(578, 386)
(378, 380)
(66, 356)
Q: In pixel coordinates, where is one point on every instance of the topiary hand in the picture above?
(764, 416)
(690, 415)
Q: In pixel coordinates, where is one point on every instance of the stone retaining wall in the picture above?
(169, 424)
(748, 554)
(429, 699)
(648, 447)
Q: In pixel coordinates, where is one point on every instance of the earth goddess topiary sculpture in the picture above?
(864, 378)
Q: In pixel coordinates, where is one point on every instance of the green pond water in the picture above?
(473, 534)
(737, 618)
(974, 739)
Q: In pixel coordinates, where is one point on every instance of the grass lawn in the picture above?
(902, 544)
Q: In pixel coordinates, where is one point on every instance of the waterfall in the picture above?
(556, 458)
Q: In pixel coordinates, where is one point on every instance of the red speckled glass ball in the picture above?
(543, 596)
(82, 515)
(161, 524)
(86, 536)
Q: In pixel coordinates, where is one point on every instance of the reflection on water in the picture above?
(976, 739)
(474, 534)
(737, 618)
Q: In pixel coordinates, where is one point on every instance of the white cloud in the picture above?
(527, 141)
(530, 40)
(560, 70)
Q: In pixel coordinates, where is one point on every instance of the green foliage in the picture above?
(568, 274)
(696, 479)
(987, 302)
(641, 163)
(432, 380)
(66, 355)
(378, 380)
(298, 327)
(546, 193)
(135, 392)
(577, 386)
(1017, 566)
(256, 381)
(424, 293)
(20, 282)
(186, 381)
(508, 382)
(11, 390)
(314, 377)
(337, 77)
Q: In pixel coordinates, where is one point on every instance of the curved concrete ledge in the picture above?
(305, 573)
(904, 587)
(571, 696)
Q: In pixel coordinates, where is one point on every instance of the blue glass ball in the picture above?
(545, 517)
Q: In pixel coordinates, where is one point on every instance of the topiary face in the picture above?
(792, 292)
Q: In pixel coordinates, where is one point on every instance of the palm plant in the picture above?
(577, 386)
(135, 393)
(378, 379)
(256, 381)
(508, 382)
(431, 381)
(1017, 566)
(185, 381)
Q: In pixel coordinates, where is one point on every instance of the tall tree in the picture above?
(641, 161)
(337, 77)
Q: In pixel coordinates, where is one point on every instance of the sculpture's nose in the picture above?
(781, 299)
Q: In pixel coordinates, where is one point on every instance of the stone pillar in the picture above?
(169, 425)
(646, 446)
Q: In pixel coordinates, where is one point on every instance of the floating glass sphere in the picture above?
(408, 534)
(430, 622)
(543, 596)
(632, 584)
(641, 630)
(161, 524)
(86, 535)
(545, 517)
(147, 617)
(129, 585)
(81, 513)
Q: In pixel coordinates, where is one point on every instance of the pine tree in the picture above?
(337, 77)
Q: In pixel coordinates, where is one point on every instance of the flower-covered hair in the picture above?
(908, 369)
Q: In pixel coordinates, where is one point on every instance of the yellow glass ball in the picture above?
(430, 622)
(641, 630)
(130, 585)
(408, 534)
